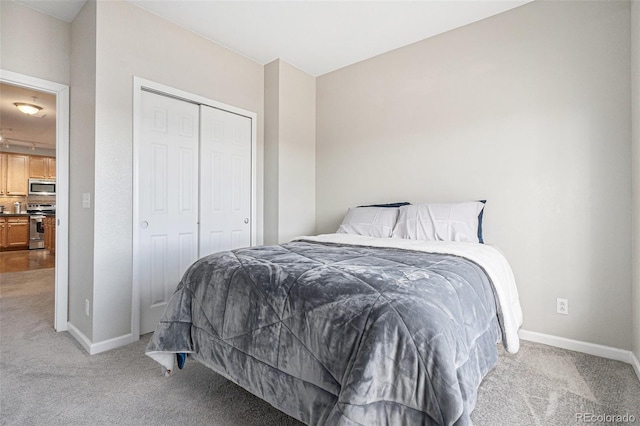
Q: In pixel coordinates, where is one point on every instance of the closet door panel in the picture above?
(225, 181)
(168, 200)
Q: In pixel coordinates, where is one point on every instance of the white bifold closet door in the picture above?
(194, 193)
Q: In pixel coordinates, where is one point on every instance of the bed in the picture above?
(346, 329)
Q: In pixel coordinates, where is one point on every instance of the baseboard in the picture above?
(636, 364)
(114, 343)
(79, 336)
(584, 347)
(96, 348)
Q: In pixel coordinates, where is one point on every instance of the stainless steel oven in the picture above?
(36, 231)
(36, 226)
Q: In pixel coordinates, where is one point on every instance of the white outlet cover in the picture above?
(86, 200)
(562, 306)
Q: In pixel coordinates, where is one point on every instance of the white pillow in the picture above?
(439, 222)
(369, 221)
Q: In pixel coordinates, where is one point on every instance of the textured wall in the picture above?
(133, 42)
(290, 152)
(528, 109)
(635, 73)
(82, 166)
(39, 49)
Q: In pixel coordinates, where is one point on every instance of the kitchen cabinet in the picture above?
(14, 174)
(14, 233)
(3, 175)
(18, 232)
(42, 167)
(49, 223)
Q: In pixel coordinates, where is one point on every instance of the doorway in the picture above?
(194, 189)
(61, 93)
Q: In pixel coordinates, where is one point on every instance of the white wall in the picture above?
(290, 144)
(133, 42)
(39, 45)
(528, 109)
(34, 44)
(82, 134)
(271, 152)
(297, 169)
(635, 73)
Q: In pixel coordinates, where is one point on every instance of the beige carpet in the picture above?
(47, 378)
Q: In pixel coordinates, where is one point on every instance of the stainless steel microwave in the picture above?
(42, 187)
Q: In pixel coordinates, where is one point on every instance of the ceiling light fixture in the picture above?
(28, 109)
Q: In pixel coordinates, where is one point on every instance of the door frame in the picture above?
(61, 91)
(140, 84)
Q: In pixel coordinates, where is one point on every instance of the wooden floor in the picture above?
(24, 260)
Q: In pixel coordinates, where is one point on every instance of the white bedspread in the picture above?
(488, 257)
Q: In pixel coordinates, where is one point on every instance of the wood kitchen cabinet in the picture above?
(14, 233)
(3, 175)
(14, 174)
(49, 223)
(42, 167)
(3, 233)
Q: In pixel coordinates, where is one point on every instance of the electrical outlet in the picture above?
(86, 307)
(562, 306)
(86, 200)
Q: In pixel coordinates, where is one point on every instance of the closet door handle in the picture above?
(246, 220)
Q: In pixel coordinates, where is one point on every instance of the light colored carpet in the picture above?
(47, 378)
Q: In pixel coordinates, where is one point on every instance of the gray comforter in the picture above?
(340, 335)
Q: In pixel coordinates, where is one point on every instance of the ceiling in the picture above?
(316, 36)
(64, 10)
(39, 130)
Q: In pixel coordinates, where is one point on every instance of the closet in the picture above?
(193, 190)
